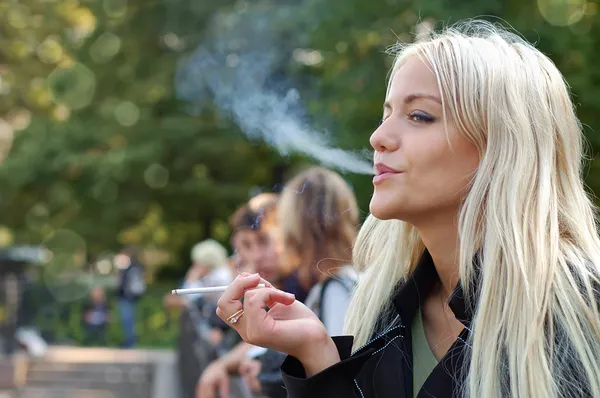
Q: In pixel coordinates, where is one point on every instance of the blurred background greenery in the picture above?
(100, 151)
(60, 322)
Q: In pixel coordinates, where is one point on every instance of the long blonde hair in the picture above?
(536, 327)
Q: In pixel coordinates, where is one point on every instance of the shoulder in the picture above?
(347, 277)
(337, 289)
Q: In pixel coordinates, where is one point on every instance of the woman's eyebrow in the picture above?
(413, 97)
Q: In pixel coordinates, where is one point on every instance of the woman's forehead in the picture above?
(413, 78)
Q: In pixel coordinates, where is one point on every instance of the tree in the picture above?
(109, 151)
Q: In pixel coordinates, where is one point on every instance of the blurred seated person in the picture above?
(257, 250)
(96, 317)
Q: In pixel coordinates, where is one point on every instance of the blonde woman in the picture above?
(481, 256)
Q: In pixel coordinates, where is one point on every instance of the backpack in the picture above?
(135, 284)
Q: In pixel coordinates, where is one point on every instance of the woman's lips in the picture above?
(383, 172)
(379, 178)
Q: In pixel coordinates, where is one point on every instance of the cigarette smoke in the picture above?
(239, 68)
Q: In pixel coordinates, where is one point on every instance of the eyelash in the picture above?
(425, 118)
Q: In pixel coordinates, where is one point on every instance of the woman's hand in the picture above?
(289, 326)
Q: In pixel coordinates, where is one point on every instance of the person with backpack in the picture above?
(131, 286)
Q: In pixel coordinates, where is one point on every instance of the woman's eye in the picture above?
(420, 117)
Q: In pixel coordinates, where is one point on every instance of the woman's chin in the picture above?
(381, 211)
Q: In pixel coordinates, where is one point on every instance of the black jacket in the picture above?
(383, 368)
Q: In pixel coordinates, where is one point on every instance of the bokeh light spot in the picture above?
(113, 375)
(19, 118)
(6, 138)
(74, 86)
(17, 16)
(156, 176)
(19, 49)
(64, 275)
(50, 51)
(105, 48)
(105, 192)
(562, 12)
(127, 113)
(115, 8)
(83, 21)
(6, 236)
(61, 112)
(37, 217)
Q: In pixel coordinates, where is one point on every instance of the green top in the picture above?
(423, 359)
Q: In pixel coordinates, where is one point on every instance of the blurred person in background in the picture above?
(317, 220)
(210, 267)
(27, 334)
(96, 317)
(131, 286)
(257, 248)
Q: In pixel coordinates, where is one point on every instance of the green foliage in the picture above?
(61, 322)
(105, 148)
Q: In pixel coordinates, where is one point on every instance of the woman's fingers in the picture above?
(252, 322)
(229, 303)
(260, 298)
(236, 289)
(257, 325)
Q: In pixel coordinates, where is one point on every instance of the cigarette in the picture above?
(199, 290)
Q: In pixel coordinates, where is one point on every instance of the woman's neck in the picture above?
(441, 240)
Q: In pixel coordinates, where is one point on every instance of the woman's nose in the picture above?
(383, 139)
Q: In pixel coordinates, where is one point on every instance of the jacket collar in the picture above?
(412, 292)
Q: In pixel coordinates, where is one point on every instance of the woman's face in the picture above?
(423, 164)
